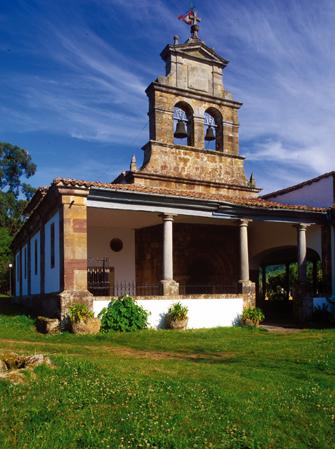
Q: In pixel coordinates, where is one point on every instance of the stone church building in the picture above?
(187, 225)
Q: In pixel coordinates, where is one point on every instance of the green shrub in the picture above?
(177, 312)
(124, 315)
(80, 312)
(253, 315)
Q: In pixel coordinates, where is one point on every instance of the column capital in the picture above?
(244, 222)
(301, 226)
(168, 217)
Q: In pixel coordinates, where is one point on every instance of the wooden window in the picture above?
(52, 245)
(35, 257)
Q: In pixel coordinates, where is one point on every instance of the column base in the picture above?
(170, 288)
(248, 290)
(303, 302)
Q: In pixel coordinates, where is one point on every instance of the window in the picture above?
(25, 262)
(18, 277)
(35, 257)
(116, 245)
(52, 245)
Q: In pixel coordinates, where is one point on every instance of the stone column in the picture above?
(244, 251)
(303, 306)
(247, 288)
(302, 252)
(169, 286)
(73, 247)
(198, 130)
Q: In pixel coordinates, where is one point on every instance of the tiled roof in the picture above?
(248, 202)
(298, 186)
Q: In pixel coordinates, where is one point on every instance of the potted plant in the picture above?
(252, 316)
(82, 320)
(177, 316)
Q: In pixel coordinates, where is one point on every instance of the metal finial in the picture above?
(176, 39)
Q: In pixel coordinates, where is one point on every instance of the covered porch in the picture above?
(188, 254)
(148, 254)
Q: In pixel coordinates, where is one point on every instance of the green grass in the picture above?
(221, 388)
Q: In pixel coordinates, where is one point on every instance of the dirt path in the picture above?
(122, 351)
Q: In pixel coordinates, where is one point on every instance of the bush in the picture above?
(124, 315)
(252, 315)
(80, 312)
(177, 312)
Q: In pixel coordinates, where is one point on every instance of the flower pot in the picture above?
(248, 322)
(90, 326)
(177, 324)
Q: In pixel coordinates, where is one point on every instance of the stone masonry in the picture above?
(194, 79)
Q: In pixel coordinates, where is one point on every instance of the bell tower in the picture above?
(193, 125)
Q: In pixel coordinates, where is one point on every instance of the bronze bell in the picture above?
(210, 134)
(181, 131)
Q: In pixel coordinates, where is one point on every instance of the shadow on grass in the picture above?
(8, 308)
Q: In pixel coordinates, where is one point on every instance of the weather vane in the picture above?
(191, 18)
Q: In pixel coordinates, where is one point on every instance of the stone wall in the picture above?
(202, 255)
(189, 168)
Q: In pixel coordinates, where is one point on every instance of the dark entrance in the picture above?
(277, 277)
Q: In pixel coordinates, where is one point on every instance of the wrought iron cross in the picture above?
(195, 27)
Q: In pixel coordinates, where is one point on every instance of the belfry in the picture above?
(189, 108)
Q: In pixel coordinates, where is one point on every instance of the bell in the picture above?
(210, 134)
(180, 132)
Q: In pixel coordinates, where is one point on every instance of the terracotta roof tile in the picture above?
(249, 202)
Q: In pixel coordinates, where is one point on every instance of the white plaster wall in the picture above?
(25, 272)
(318, 194)
(17, 273)
(264, 236)
(123, 261)
(203, 313)
(52, 275)
(35, 278)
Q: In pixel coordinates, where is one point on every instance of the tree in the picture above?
(15, 164)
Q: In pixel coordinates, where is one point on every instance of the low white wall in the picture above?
(203, 313)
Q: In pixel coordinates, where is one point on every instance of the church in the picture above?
(187, 224)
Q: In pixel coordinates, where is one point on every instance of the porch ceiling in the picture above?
(100, 217)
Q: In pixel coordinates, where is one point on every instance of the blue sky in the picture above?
(73, 75)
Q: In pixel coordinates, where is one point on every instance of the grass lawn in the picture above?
(222, 388)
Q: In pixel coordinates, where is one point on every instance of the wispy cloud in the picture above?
(89, 63)
(283, 67)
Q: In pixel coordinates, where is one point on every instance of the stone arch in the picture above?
(276, 276)
(281, 254)
(213, 119)
(183, 111)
